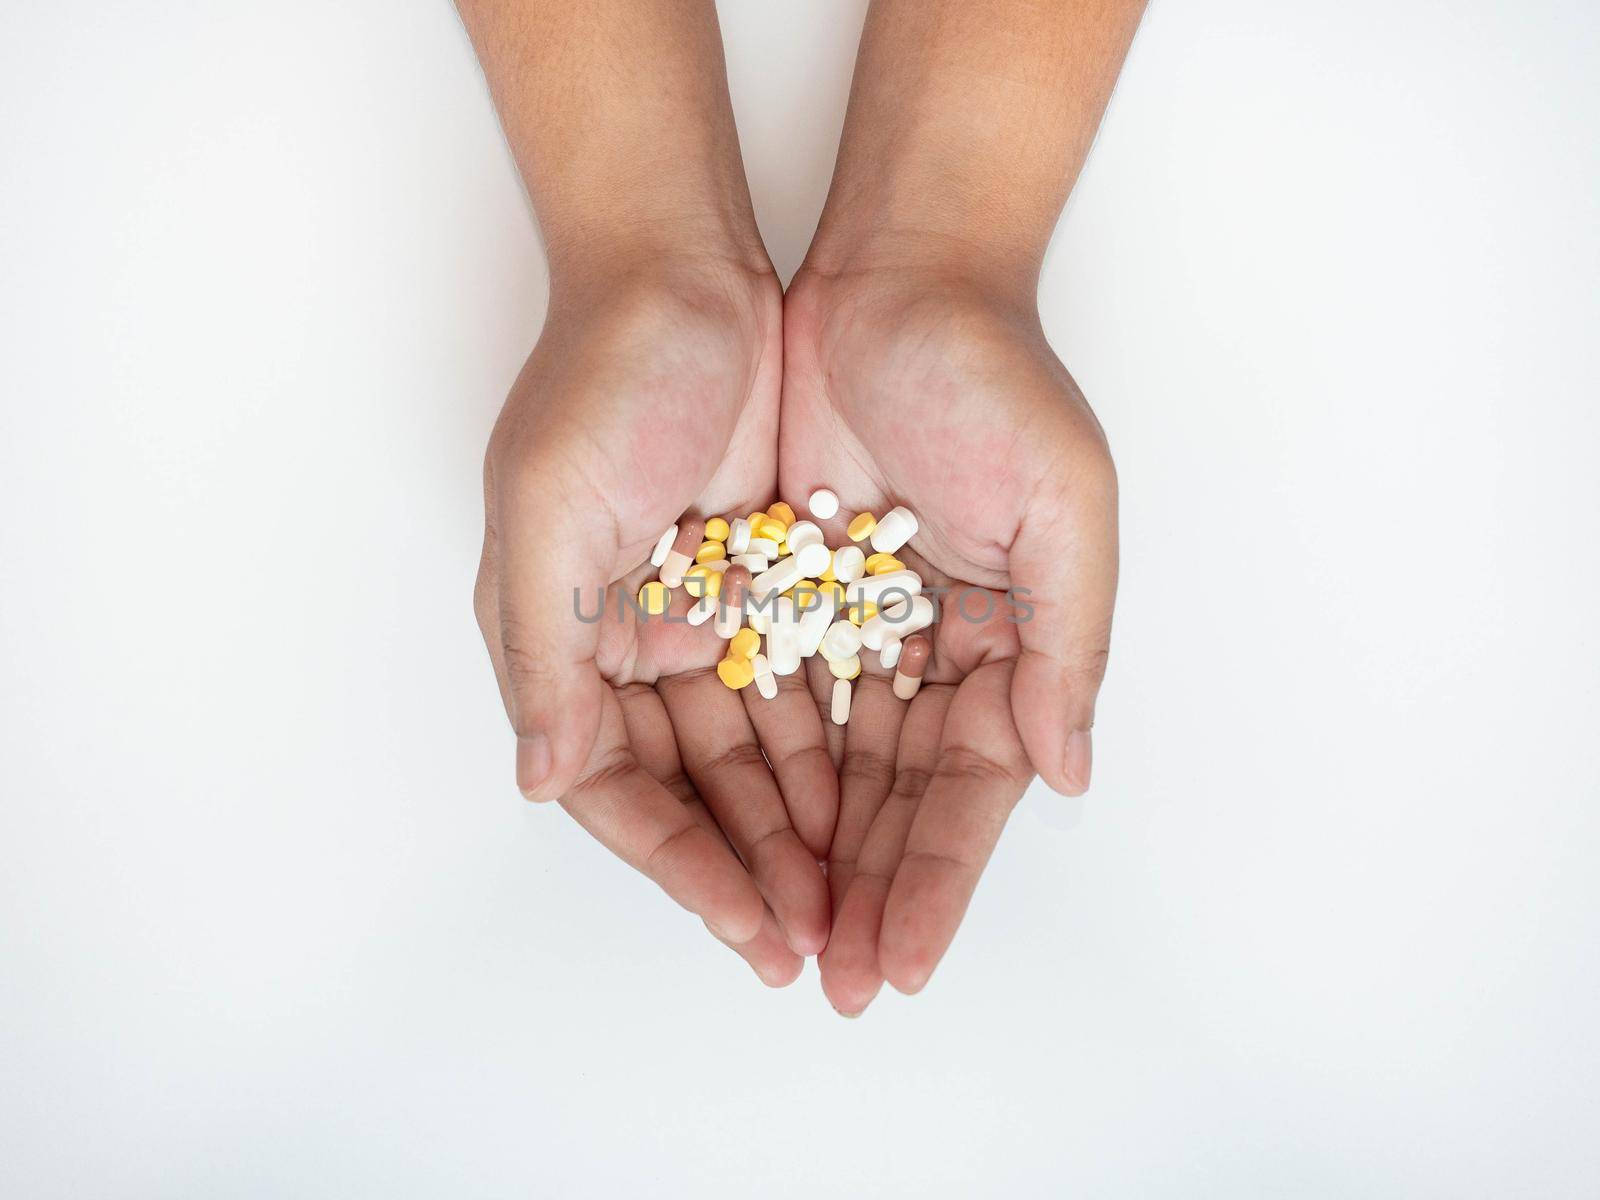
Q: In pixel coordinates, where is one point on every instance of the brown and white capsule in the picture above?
(730, 610)
(691, 533)
(909, 670)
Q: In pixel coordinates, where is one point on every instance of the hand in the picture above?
(935, 393)
(648, 396)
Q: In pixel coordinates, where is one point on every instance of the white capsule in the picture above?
(874, 587)
(738, 536)
(761, 545)
(672, 569)
(783, 638)
(664, 544)
(843, 640)
(891, 652)
(802, 534)
(823, 504)
(779, 577)
(813, 558)
(815, 620)
(703, 610)
(848, 563)
(845, 668)
(754, 563)
(841, 701)
(894, 529)
(766, 682)
(898, 620)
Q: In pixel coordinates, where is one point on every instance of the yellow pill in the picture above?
(744, 644)
(889, 563)
(871, 565)
(736, 672)
(861, 613)
(771, 527)
(701, 580)
(835, 589)
(716, 530)
(654, 597)
(861, 528)
(827, 575)
(755, 520)
(845, 668)
(781, 512)
(710, 552)
(806, 595)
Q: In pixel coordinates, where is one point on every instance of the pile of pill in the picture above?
(770, 575)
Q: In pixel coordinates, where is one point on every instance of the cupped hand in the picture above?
(901, 388)
(648, 396)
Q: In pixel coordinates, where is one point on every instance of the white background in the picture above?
(273, 920)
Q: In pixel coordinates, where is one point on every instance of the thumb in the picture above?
(1064, 578)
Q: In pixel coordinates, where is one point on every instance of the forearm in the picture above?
(618, 115)
(969, 121)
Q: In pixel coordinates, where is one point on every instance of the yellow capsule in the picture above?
(744, 644)
(654, 597)
(889, 563)
(862, 526)
(716, 530)
(862, 612)
(710, 552)
(781, 512)
(771, 527)
(736, 672)
(700, 580)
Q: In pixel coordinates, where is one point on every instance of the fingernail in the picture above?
(533, 764)
(1078, 762)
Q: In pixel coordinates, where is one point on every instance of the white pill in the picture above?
(823, 504)
(802, 534)
(845, 668)
(848, 563)
(766, 683)
(843, 640)
(900, 583)
(783, 638)
(894, 529)
(899, 620)
(779, 577)
(754, 563)
(703, 610)
(738, 536)
(673, 567)
(891, 652)
(841, 701)
(813, 558)
(761, 545)
(659, 554)
(814, 622)
(727, 621)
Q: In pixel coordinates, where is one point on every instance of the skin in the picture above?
(669, 357)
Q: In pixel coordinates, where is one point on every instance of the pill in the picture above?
(755, 518)
(779, 577)
(736, 672)
(772, 529)
(802, 534)
(783, 638)
(763, 546)
(913, 662)
(823, 504)
(716, 529)
(813, 559)
(882, 564)
(738, 536)
(894, 586)
(684, 547)
(704, 579)
(861, 611)
(781, 512)
(703, 610)
(897, 528)
(861, 526)
(911, 615)
(845, 668)
(842, 640)
(840, 710)
(835, 589)
(766, 682)
(754, 563)
(849, 564)
(891, 652)
(663, 544)
(818, 610)
(744, 644)
(654, 598)
(730, 608)
(710, 552)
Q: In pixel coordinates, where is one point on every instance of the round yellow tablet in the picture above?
(781, 512)
(755, 520)
(736, 672)
(861, 613)
(771, 527)
(744, 644)
(654, 598)
(700, 580)
(710, 552)
(834, 588)
(889, 563)
(716, 530)
(846, 668)
(862, 526)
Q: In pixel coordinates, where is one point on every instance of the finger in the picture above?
(866, 772)
(650, 734)
(1064, 572)
(979, 776)
(791, 734)
(646, 826)
(721, 757)
(851, 975)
